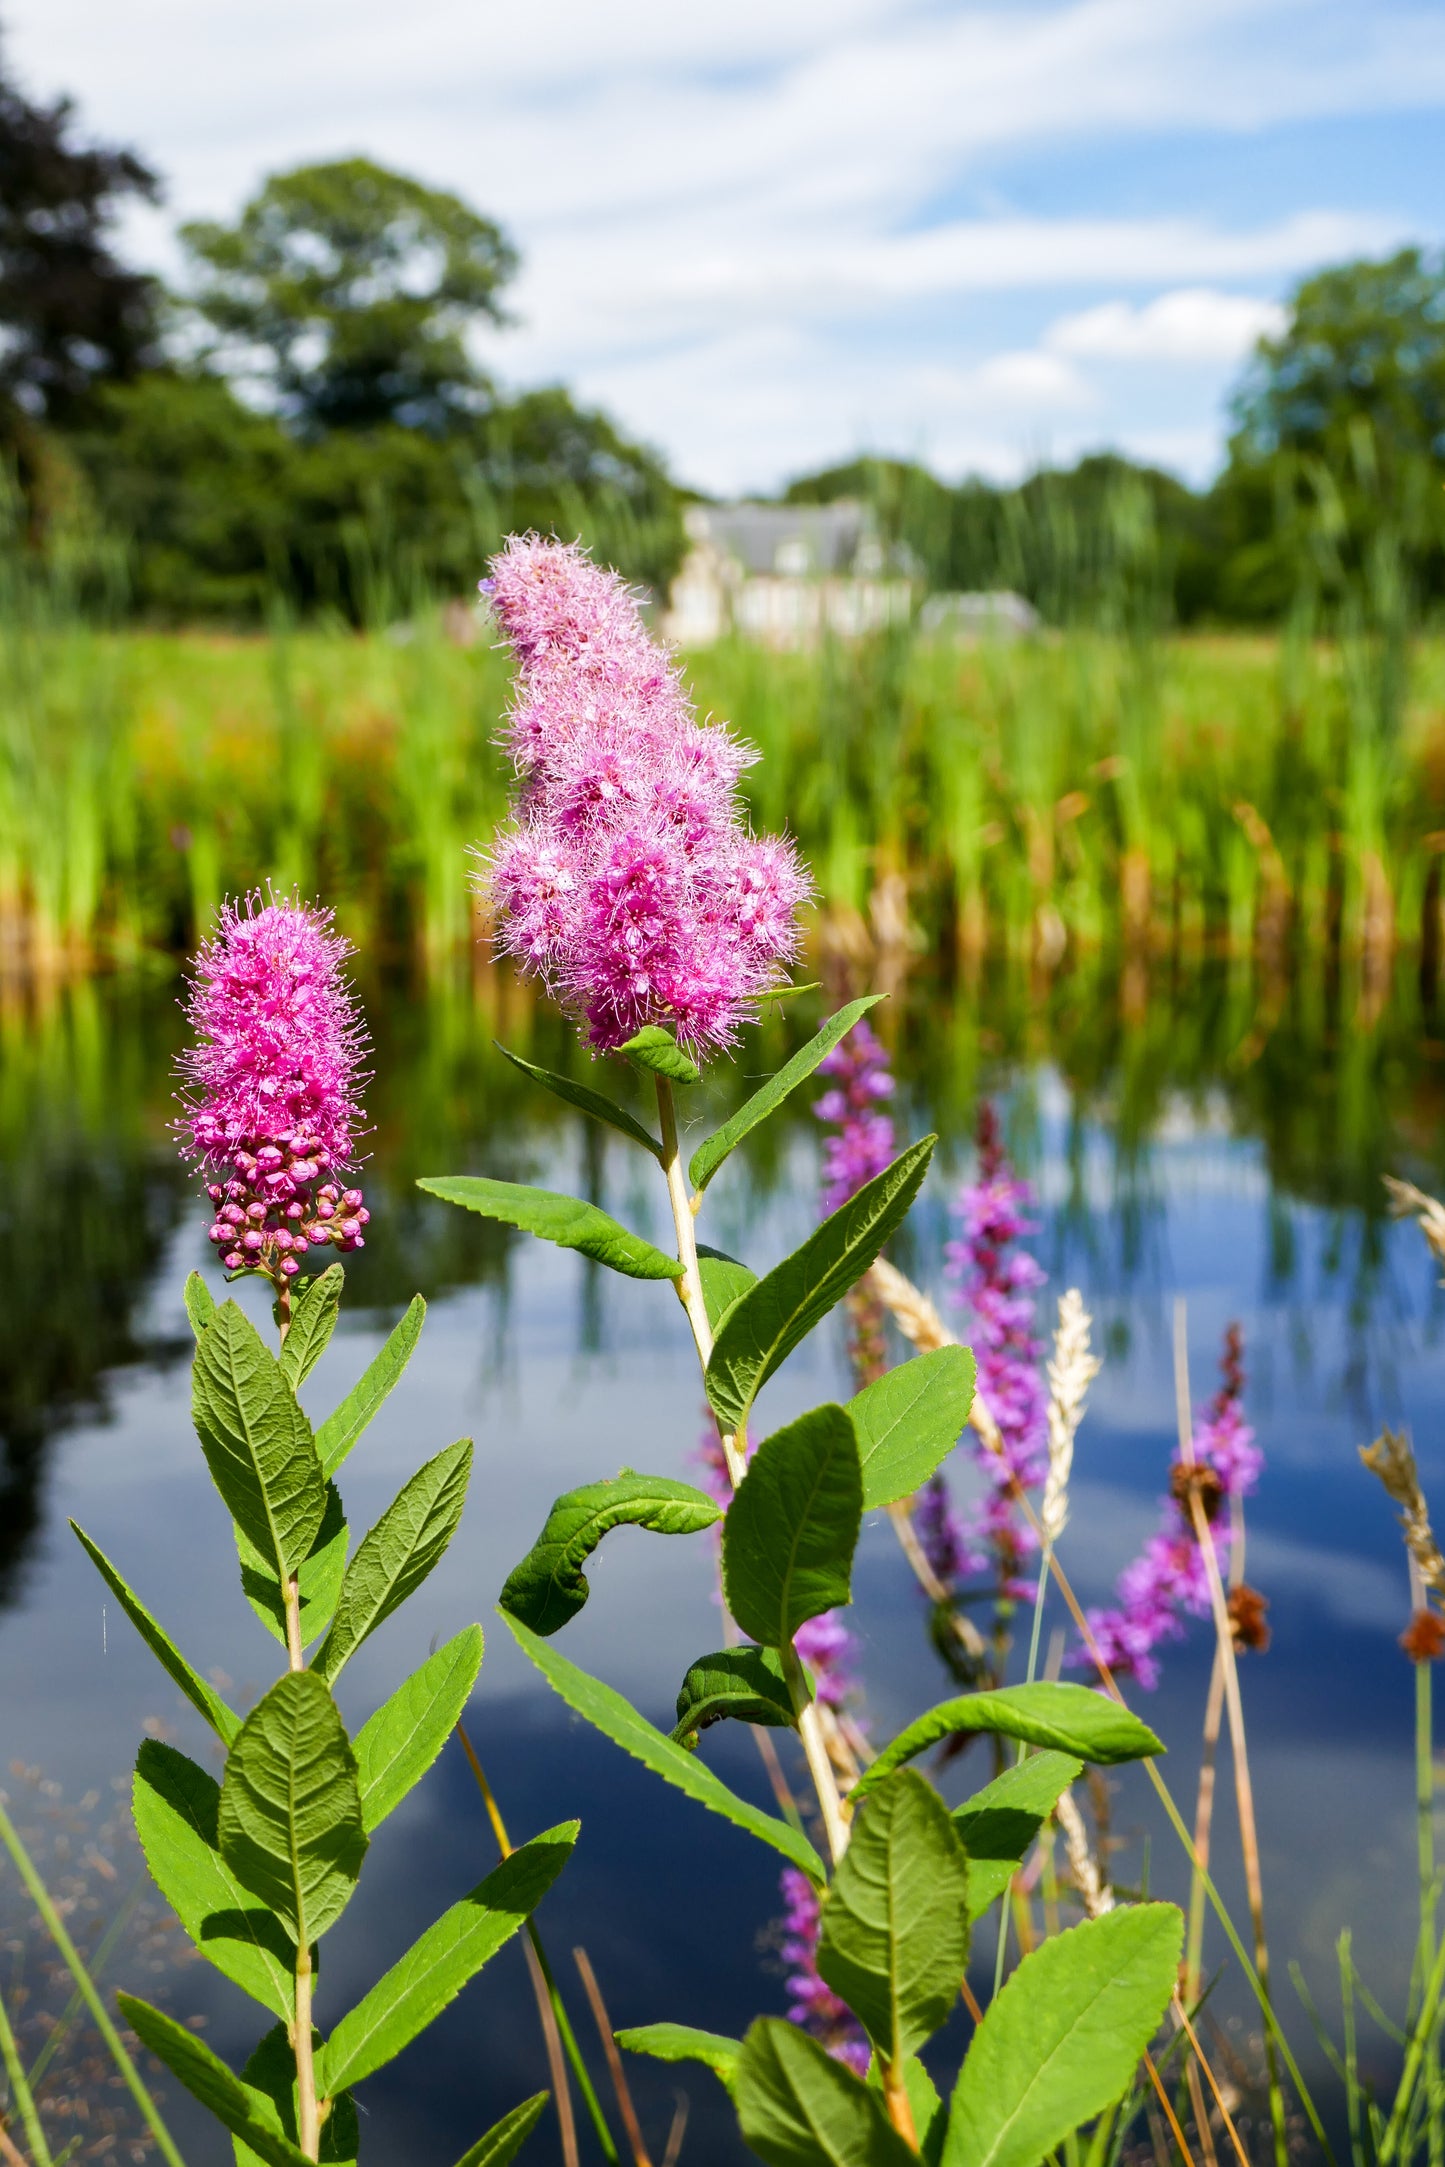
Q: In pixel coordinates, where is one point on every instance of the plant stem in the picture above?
(308, 2114)
(1413, 2058)
(1239, 1748)
(1203, 1826)
(820, 1768)
(21, 2093)
(618, 2074)
(54, 1926)
(550, 2006)
(1425, 1827)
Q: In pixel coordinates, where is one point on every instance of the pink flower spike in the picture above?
(628, 882)
(269, 1090)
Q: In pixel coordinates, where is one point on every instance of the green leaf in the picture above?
(200, 1303)
(271, 2072)
(565, 1220)
(769, 1097)
(792, 1527)
(246, 2113)
(595, 1103)
(930, 2116)
(176, 1805)
(909, 1420)
(549, 1586)
(1071, 1718)
(202, 1697)
(319, 1580)
(1060, 2043)
(601, 1705)
(744, 1683)
(504, 2139)
(394, 1559)
(654, 1048)
(339, 1432)
(680, 2043)
(289, 1824)
(767, 1324)
(893, 1938)
(313, 1320)
(797, 2107)
(258, 1444)
(999, 1824)
(436, 1968)
(724, 1281)
(397, 1746)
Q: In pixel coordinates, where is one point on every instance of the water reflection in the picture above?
(1181, 1144)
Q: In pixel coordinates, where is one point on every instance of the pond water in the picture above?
(1202, 1141)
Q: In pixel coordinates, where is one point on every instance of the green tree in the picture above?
(349, 293)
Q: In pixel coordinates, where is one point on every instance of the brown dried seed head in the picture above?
(1195, 1479)
(1423, 1639)
(1247, 1623)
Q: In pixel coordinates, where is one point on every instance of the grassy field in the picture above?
(1083, 793)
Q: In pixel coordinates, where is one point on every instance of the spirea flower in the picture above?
(628, 881)
(271, 1111)
(1169, 1582)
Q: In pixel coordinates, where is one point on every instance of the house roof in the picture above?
(797, 539)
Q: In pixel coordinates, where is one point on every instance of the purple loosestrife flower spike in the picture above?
(860, 1081)
(270, 1088)
(1168, 1582)
(811, 2001)
(627, 881)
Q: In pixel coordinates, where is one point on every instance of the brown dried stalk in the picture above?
(1391, 1458)
(1408, 1202)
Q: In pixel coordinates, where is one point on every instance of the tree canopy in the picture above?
(348, 292)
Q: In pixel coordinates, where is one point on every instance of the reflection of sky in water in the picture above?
(563, 1373)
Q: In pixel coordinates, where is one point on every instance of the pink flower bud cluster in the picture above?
(628, 882)
(271, 1087)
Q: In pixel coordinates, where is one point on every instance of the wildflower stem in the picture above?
(21, 2094)
(615, 2069)
(815, 1750)
(1203, 1827)
(1429, 1891)
(557, 2029)
(308, 2115)
(295, 1656)
(54, 1926)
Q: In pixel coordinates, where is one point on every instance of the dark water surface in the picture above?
(1208, 1145)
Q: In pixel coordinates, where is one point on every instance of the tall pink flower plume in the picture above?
(628, 881)
(270, 1088)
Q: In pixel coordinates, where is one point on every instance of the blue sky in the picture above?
(769, 235)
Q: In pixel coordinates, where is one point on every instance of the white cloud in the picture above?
(1192, 325)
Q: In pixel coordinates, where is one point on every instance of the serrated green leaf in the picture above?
(744, 1683)
(271, 2073)
(394, 1559)
(257, 1442)
(680, 2043)
(930, 2116)
(549, 1586)
(588, 1101)
(724, 1281)
(797, 2107)
(437, 1967)
(909, 1420)
(1060, 2043)
(1070, 1718)
(339, 1432)
(893, 1936)
(769, 1097)
(246, 2113)
(602, 1706)
(565, 1220)
(397, 1746)
(658, 1050)
(313, 1320)
(504, 2140)
(176, 1805)
(202, 1697)
(319, 1580)
(999, 1824)
(200, 1303)
(762, 1329)
(792, 1527)
(289, 1823)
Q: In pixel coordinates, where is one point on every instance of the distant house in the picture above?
(784, 575)
(994, 614)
